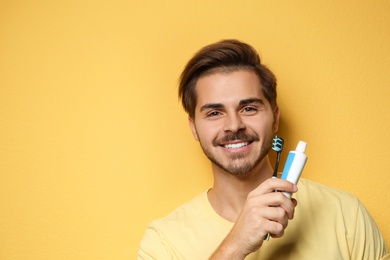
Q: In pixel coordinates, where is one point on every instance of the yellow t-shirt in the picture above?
(328, 224)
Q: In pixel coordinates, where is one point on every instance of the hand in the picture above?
(264, 212)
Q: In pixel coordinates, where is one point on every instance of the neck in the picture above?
(229, 192)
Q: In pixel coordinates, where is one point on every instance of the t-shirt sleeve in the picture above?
(368, 241)
(152, 246)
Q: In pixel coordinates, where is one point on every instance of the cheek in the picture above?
(266, 127)
(207, 132)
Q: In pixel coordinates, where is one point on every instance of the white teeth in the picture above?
(235, 146)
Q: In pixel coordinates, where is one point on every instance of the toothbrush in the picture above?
(277, 146)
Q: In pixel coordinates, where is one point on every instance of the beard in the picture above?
(239, 165)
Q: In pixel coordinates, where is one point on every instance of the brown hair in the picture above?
(224, 56)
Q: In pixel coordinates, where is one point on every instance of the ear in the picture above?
(276, 119)
(191, 123)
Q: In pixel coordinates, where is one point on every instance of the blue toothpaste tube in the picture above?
(295, 163)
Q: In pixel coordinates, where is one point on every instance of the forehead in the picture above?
(228, 87)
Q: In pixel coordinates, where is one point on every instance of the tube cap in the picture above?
(301, 147)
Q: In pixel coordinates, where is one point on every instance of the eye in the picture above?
(213, 113)
(249, 110)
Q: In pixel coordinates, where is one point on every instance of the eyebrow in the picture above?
(251, 101)
(211, 106)
(241, 103)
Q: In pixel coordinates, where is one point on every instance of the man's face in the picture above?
(234, 122)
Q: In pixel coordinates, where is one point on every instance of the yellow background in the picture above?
(94, 143)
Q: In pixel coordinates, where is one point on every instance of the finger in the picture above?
(294, 201)
(275, 229)
(277, 214)
(275, 199)
(289, 206)
(273, 184)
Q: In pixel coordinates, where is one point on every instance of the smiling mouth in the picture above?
(236, 146)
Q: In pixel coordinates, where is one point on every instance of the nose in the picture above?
(233, 123)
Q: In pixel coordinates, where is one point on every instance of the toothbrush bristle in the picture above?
(277, 145)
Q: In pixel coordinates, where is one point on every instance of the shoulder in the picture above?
(162, 234)
(338, 218)
(191, 230)
(329, 204)
(193, 208)
(315, 191)
(337, 208)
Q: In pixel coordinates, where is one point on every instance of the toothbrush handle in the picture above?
(275, 174)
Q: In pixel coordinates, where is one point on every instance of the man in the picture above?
(231, 101)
